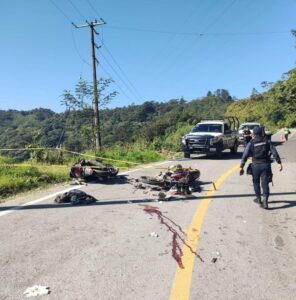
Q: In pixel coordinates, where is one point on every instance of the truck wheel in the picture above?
(219, 153)
(186, 155)
(233, 149)
(219, 150)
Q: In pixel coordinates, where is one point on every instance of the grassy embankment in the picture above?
(17, 178)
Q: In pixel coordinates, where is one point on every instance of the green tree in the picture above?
(82, 102)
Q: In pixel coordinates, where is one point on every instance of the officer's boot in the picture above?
(265, 202)
(258, 199)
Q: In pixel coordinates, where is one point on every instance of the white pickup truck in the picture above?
(212, 137)
(249, 125)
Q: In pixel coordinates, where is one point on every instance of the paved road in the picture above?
(231, 248)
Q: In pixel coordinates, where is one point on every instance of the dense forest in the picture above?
(157, 125)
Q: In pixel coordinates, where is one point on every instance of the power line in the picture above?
(137, 94)
(76, 48)
(219, 16)
(115, 82)
(60, 10)
(93, 8)
(121, 70)
(77, 10)
(72, 34)
(243, 33)
(201, 33)
(119, 76)
(149, 30)
(172, 44)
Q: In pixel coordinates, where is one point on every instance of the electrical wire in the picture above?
(76, 48)
(219, 16)
(202, 33)
(60, 10)
(135, 91)
(102, 67)
(93, 8)
(77, 10)
(72, 34)
(122, 72)
(119, 76)
(206, 28)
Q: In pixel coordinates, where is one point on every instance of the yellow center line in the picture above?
(182, 281)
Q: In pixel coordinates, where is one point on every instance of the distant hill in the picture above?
(154, 123)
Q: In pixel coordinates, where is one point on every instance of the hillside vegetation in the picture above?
(150, 126)
(274, 108)
(136, 133)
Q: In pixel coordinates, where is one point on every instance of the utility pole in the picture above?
(96, 96)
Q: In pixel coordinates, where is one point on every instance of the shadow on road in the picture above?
(224, 156)
(287, 204)
(119, 179)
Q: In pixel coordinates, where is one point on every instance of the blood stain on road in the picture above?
(178, 235)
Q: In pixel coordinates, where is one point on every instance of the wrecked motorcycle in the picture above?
(92, 170)
(182, 180)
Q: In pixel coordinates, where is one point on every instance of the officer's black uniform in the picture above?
(260, 149)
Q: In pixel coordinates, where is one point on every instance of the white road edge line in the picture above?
(15, 208)
(10, 210)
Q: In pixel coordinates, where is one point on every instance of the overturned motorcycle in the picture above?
(92, 170)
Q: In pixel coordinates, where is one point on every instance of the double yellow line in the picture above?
(182, 282)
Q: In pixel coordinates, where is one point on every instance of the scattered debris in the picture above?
(217, 255)
(162, 196)
(176, 180)
(92, 170)
(78, 182)
(36, 290)
(155, 188)
(154, 234)
(75, 197)
(140, 185)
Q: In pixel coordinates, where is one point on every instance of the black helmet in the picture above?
(258, 130)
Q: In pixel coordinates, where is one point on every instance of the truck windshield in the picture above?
(207, 128)
(250, 126)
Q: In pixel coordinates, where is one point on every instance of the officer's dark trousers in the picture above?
(261, 172)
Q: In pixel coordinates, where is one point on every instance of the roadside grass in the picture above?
(17, 178)
(127, 156)
(124, 157)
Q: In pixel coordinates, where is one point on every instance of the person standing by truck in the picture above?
(286, 132)
(247, 135)
(260, 149)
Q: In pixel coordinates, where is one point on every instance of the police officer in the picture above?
(260, 149)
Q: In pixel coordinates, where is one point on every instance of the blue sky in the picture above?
(153, 49)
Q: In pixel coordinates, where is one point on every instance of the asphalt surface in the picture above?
(106, 250)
